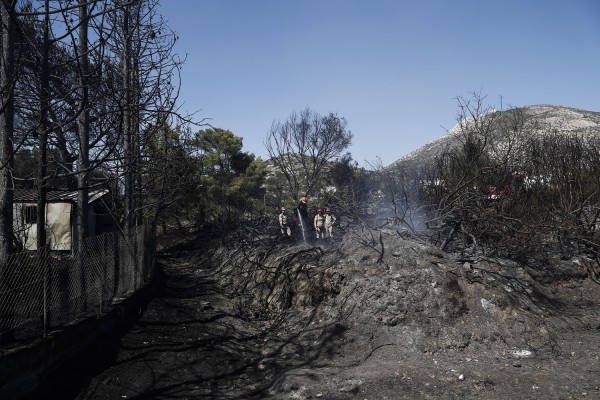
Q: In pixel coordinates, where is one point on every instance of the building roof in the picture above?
(55, 196)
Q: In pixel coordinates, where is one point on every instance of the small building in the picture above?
(61, 212)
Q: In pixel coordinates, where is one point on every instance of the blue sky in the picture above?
(391, 68)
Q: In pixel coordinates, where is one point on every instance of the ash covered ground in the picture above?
(375, 315)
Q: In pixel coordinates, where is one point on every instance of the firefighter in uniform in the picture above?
(329, 221)
(302, 209)
(319, 223)
(284, 222)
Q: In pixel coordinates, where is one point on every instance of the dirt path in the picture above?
(191, 343)
(188, 344)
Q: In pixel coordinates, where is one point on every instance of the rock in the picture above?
(523, 353)
(488, 305)
(351, 386)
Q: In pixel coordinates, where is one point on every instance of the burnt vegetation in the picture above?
(89, 100)
(503, 184)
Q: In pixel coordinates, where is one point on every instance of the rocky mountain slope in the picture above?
(539, 119)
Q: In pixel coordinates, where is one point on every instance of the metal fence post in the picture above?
(45, 268)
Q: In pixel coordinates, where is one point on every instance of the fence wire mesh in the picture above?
(42, 290)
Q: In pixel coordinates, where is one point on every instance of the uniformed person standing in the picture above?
(329, 221)
(302, 209)
(284, 222)
(319, 223)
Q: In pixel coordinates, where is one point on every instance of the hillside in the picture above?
(538, 119)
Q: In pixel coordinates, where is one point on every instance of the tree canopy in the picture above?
(230, 180)
(302, 146)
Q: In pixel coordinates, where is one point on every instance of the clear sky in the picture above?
(391, 68)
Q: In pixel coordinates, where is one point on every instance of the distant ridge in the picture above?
(541, 118)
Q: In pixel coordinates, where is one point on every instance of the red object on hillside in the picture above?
(494, 192)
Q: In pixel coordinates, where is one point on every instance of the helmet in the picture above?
(282, 208)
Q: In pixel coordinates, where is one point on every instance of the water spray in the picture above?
(301, 225)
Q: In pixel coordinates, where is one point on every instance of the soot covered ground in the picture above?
(367, 317)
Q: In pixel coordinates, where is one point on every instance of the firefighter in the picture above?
(329, 221)
(302, 209)
(285, 222)
(319, 223)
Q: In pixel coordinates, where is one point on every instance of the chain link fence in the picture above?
(42, 290)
